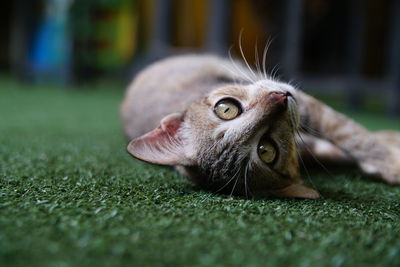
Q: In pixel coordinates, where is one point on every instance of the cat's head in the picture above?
(239, 138)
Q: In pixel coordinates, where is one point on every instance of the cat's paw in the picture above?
(388, 168)
(389, 138)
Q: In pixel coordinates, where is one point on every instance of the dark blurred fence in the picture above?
(347, 47)
(349, 22)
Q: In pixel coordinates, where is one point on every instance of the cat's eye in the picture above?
(266, 151)
(227, 109)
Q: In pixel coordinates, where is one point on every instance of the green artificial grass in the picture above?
(71, 196)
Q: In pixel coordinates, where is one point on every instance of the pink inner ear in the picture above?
(163, 145)
(171, 126)
(167, 129)
(154, 136)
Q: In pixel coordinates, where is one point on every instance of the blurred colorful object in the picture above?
(102, 35)
(114, 35)
(50, 55)
(105, 34)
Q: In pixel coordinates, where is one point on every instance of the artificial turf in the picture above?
(71, 196)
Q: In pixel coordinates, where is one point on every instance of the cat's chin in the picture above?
(294, 190)
(300, 191)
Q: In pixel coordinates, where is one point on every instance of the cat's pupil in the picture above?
(227, 109)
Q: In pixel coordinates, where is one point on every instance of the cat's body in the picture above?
(221, 154)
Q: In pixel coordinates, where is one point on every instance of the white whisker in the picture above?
(234, 74)
(247, 77)
(294, 83)
(274, 72)
(230, 180)
(233, 189)
(301, 159)
(314, 157)
(245, 179)
(310, 130)
(264, 59)
(243, 56)
(256, 58)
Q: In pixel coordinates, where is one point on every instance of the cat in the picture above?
(231, 129)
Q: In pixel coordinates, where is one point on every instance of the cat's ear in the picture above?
(163, 145)
(298, 190)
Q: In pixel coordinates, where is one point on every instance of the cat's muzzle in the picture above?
(278, 101)
(279, 98)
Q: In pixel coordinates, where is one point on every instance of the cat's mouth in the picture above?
(293, 113)
(286, 101)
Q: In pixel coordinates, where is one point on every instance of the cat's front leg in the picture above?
(373, 155)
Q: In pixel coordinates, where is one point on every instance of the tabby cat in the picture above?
(231, 129)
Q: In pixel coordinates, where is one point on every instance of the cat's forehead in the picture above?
(250, 91)
(272, 86)
(235, 91)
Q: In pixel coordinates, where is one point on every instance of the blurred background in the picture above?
(70, 194)
(344, 50)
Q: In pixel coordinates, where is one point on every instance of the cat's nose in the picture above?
(279, 97)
